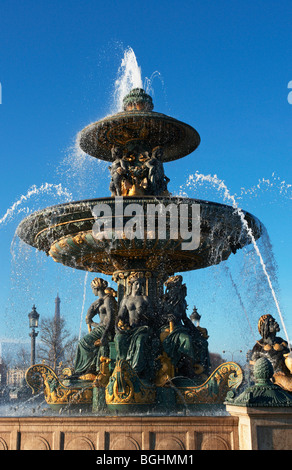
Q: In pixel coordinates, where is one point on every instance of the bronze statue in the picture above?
(134, 330)
(181, 340)
(275, 349)
(138, 172)
(96, 343)
(157, 181)
(119, 172)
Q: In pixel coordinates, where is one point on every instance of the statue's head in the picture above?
(111, 291)
(174, 282)
(267, 326)
(175, 288)
(98, 284)
(135, 284)
(157, 152)
(116, 152)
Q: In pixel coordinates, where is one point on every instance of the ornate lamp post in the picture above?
(33, 324)
(232, 352)
(195, 317)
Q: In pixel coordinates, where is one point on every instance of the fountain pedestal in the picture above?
(263, 428)
(267, 428)
(120, 433)
(264, 412)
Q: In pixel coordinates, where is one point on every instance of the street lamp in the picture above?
(195, 317)
(33, 317)
(232, 352)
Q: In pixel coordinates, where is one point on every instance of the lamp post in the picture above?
(195, 317)
(232, 352)
(33, 324)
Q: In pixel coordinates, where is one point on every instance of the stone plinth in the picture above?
(263, 428)
(120, 433)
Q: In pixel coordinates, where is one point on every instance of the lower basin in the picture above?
(67, 233)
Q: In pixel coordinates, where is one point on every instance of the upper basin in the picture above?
(146, 128)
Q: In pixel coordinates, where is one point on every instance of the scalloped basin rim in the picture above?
(177, 138)
(45, 217)
(65, 233)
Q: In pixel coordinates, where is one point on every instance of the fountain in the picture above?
(147, 352)
(145, 358)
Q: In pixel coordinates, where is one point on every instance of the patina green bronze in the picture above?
(135, 339)
(95, 344)
(264, 393)
(275, 349)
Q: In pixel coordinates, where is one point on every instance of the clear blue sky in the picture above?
(225, 66)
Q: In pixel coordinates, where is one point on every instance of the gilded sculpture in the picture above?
(184, 343)
(138, 172)
(135, 337)
(95, 344)
(275, 349)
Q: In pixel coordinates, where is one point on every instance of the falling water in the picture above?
(35, 405)
(129, 77)
(78, 169)
(83, 304)
(20, 270)
(274, 184)
(47, 188)
(228, 272)
(221, 186)
(18, 207)
(148, 82)
(82, 172)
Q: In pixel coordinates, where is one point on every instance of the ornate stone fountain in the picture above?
(145, 353)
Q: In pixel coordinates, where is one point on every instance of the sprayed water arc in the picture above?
(46, 188)
(83, 304)
(220, 185)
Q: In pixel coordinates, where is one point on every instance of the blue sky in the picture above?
(224, 69)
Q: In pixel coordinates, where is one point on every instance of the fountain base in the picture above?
(120, 433)
(240, 428)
